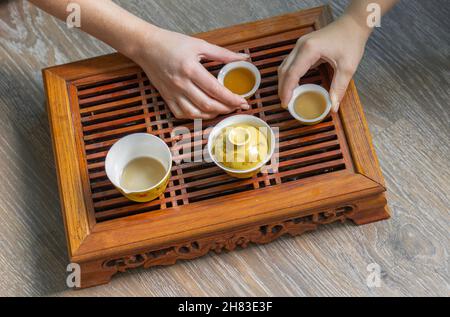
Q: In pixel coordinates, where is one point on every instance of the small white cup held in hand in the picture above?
(247, 65)
(310, 88)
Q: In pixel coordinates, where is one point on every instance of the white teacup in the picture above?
(310, 88)
(137, 146)
(242, 64)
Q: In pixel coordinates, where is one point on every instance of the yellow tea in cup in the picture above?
(310, 105)
(242, 78)
(239, 81)
(142, 173)
(139, 166)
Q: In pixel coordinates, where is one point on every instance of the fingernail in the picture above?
(336, 108)
(284, 106)
(335, 102)
(245, 106)
(244, 55)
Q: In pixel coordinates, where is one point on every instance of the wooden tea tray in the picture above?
(328, 172)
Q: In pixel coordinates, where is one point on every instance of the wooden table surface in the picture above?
(404, 84)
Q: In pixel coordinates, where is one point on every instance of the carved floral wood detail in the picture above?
(229, 242)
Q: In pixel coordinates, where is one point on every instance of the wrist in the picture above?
(358, 25)
(143, 42)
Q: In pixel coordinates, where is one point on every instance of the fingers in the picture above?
(295, 67)
(210, 85)
(220, 54)
(205, 103)
(192, 112)
(176, 111)
(342, 77)
(184, 109)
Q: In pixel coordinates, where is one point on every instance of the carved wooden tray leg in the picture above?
(94, 274)
(361, 212)
(370, 210)
(367, 210)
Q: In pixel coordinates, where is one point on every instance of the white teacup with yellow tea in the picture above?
(139, 166)
(242, 78)
(310, 104)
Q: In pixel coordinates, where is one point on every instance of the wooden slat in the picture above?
(70, 183)
(245, 32)
(360, 140)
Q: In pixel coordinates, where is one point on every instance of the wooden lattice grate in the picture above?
(126, 102)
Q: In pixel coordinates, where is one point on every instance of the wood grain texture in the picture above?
(403, 82)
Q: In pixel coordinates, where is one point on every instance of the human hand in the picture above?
(341, 44)
(172, 62)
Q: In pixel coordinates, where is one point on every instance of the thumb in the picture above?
(220, 54)
(292, 70)
(339, 86)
